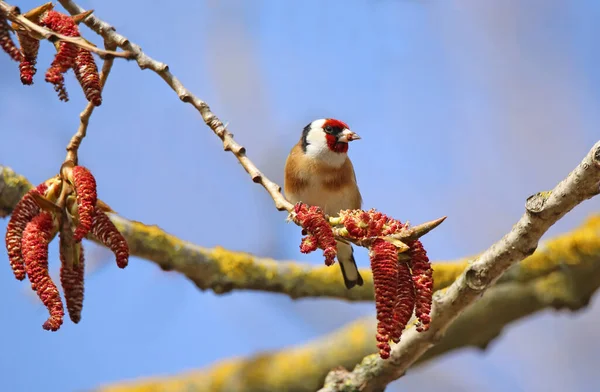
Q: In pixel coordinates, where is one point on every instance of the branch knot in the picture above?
(535, 203)
(476, 278)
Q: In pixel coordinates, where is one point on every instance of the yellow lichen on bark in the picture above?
(270, 371)
(445, 273)
(564, 250)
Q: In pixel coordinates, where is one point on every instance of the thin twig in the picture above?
(216, 125)
(85, 115)
(542, 211)
(14, 14)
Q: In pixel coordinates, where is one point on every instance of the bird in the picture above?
(318, 172)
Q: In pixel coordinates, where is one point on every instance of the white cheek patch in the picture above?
(317, 146)
(317, 143)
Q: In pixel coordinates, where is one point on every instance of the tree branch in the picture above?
(223, 270)
(215, 124)
(84, 116)
(14, 14)
(542, 211)
(564, 272)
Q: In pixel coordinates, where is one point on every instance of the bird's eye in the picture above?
(328, 129)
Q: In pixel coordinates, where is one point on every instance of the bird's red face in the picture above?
(338, 135)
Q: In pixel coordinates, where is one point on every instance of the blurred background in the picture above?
(465, 109)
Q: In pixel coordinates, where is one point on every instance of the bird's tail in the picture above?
(345, 255)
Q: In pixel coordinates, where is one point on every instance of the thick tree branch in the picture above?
(542, 211)
(564, 272)
(222, 270)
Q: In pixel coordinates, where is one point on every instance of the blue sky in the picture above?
(465, 109)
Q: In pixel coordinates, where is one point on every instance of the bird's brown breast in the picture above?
(332, 179)
(317, 183)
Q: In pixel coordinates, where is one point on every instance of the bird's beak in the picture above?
(348, 136)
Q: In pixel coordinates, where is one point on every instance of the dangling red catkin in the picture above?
(65, 57)
(29, 48)
(308, 244)
(313, 221)
(422, 275)
(384, 264)
(25, 210)
(36, 237)
(405, 301)
(106, 232)
(85, 189)
(86, 72)
(72, 282)
(6, 42)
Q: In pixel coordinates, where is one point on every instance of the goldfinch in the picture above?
(318, 172)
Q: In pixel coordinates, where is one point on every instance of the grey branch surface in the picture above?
(542, 210)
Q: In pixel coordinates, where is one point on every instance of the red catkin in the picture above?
(6, 42)
(71, 280)
(61, 92)
(405, 301)
(400, 287)
(65, 57)
(384, 264)
(366, 224)
(86, 72)
(29, 48)
(36, 237)
(356, 222)
(106, 232)
(308, 244)
(422, 275)
(85, 189)
(25, 210)
(313, 221)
